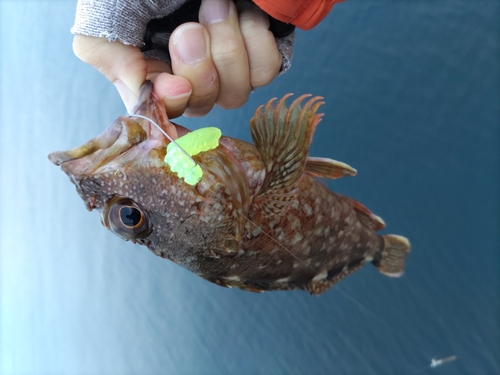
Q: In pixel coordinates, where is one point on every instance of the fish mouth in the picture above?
(126, 139)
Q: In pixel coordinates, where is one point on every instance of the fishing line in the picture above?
(271, 237)
(434, 362)
(166, 135)
(380, 320)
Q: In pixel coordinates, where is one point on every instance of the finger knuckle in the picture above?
(228, 53)
(263, 70)
(233, 101)
(263, 75)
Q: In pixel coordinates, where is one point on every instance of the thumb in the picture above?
(121, 64)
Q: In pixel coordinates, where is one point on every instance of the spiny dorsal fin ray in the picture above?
(283, 136)
(328, 168)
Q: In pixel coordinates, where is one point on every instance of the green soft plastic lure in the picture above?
(193, 143)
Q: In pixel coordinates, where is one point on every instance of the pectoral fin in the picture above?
(283, 135)
(328, 168)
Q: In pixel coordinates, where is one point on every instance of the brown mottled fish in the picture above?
(257, 220)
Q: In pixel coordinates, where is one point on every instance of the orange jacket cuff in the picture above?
(305, 14)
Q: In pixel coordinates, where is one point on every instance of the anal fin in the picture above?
(328, 168)
(326, 279)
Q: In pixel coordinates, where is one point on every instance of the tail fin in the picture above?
(392, 257)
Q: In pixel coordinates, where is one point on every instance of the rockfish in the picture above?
(256, 220)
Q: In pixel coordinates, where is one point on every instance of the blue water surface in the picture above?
(412, 92)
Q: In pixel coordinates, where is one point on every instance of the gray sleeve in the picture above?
(285, 46)
(120, 20)
(127, 21)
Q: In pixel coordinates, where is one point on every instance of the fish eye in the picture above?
(130, 216)
(126, 218)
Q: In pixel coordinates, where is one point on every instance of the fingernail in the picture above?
(214, 11)
(189, 42)
(127, 95)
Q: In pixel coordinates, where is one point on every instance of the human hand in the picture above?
(218, 60)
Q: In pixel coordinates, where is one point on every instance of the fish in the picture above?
(258, 219)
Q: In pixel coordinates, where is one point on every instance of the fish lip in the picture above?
(151, 106)
(120, 136)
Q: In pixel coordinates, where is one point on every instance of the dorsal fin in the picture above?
(367, 217)
(283, 135)
(328, 168)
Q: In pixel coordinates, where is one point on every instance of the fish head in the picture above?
(105, 170)
(122, 174)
